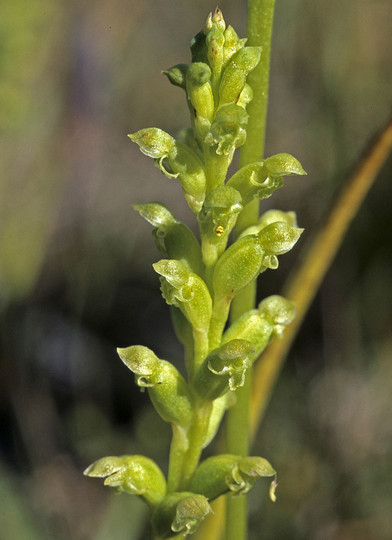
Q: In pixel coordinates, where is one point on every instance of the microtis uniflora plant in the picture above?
(199, 280)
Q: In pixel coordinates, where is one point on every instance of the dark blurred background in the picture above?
(75, 262)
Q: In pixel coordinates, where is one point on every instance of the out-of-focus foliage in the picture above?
(75, 78)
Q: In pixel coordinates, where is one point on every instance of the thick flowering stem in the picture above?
(216, 168)
(186, 447)
(197, 439)
(178, 449)
(201, 347)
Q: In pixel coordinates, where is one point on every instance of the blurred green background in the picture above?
(75, 262)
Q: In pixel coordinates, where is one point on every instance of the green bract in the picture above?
(199, 275)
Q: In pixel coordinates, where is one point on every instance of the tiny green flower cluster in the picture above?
(199, 281)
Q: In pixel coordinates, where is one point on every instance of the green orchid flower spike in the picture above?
(200, 274)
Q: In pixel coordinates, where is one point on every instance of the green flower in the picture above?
(224, 369)
(226, 473)
(180, 513)
(137, 475)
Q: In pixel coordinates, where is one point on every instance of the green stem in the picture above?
(178, 449)
(186, 447)
(218, 320)
(197, 437)
(216, 167)
(201, 348)
(237, 441)
(260, 21)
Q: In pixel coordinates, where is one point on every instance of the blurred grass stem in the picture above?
(259, 32)
(305, 282)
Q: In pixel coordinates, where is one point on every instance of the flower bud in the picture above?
(221, 474)
(252, 181)
(224, 369)
(215, 20)
(172, 238)
(137, 475)
(176, 74)
(186, 291)
(217, 218)
(179, 513)
(167, 389)
(232, 44)
(200, 95)
(199, 89)
(215, 42)
(236, 72)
